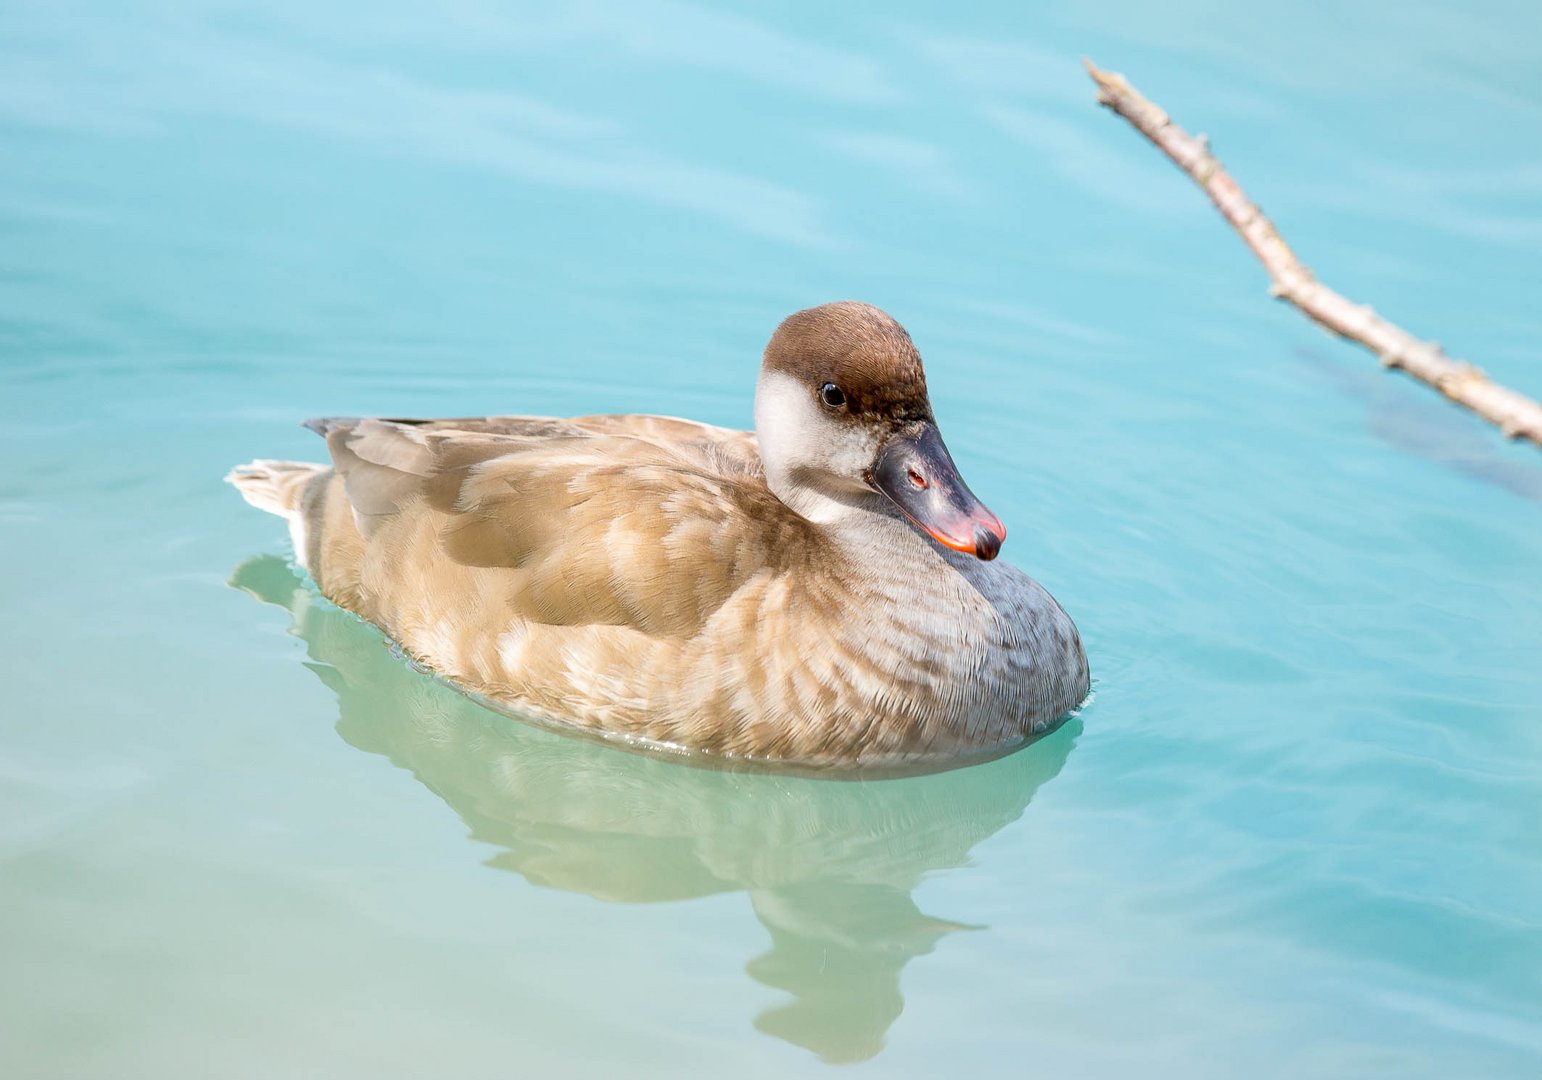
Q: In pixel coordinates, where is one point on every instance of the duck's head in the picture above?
(841, 413)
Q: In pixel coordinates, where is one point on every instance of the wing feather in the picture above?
(645, 522)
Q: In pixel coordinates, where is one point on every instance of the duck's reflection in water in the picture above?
(829, 865)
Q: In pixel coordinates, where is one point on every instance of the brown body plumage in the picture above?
(661, 581)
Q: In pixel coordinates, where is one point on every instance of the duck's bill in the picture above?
(916, 472)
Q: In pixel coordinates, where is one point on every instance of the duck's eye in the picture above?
(831, 395)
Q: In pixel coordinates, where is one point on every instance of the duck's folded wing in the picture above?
(387, 464)
(597, 520)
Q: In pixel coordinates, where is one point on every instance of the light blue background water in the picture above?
(1297, 832)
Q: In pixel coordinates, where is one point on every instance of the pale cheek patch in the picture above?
(852, 451)
(797, 435)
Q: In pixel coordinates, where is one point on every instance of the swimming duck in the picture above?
(821, 592)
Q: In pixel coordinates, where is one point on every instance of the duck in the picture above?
(823, 592)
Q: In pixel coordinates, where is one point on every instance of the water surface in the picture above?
(1295, 834)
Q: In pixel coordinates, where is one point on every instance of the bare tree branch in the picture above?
(1517, 415)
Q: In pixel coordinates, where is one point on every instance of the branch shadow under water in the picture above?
(1414, 423)
(829, 865)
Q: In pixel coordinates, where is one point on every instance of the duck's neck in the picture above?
(841, 510)
(872, 533)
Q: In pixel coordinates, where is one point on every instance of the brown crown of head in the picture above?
(860, 349)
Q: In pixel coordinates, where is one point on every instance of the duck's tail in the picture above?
(275, 486)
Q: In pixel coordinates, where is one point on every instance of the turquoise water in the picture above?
(1297, 832)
